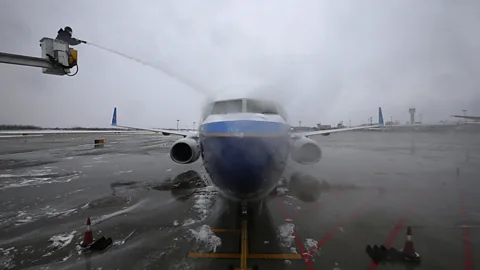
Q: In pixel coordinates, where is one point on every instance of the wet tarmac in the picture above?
(372, 186)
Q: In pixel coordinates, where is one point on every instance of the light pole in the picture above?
(177, 124)
(299, 123)
(193, 125)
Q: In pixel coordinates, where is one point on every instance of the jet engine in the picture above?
(305, 151)
(185, 151)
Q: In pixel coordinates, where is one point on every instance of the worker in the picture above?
(66, 36)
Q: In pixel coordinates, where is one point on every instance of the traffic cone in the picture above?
(88, 237)
(408, 251)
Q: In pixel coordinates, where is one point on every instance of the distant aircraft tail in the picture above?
(380, 117)
(114, 118)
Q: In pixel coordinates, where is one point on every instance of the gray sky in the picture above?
(324, 60)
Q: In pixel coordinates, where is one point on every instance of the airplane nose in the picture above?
(245, 166)
(245, 157)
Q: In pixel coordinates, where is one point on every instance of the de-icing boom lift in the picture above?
(57, 58)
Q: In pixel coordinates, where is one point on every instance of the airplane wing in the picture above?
(476, 118)
(163, 131)
(328, 131)
(33, 133)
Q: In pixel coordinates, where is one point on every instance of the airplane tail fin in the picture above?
(114, 118)
(380, 117)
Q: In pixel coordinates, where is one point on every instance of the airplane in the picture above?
(245, 144)
(476, 119)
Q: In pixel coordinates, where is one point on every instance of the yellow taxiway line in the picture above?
(244, 255)
(225, 230)
(277, 256)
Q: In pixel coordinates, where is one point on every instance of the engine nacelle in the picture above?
(305, 151)
(185, 151)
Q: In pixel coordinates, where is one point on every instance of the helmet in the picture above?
(68, 29)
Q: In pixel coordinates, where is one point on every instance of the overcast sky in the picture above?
(324, 60)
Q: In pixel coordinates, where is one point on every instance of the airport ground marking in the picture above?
(393, 234)
(343, 224)
(244, 246)
(266, 256)
(467, 241)
(244, 254)
(298, 242)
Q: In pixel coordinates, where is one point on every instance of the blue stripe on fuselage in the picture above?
(249, 166)
(250, 127)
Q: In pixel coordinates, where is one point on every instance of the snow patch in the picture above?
(25, 219)
(114, 214)
(52, 212)
(310, 243)
(285, 234)
(123, 172)
(203, 201)
(68, 257)
(188, 222)
(6, 259)
(117, 243)
(36, 178)
(182, 265)
(282, 190)
(205, 237)
(60, 241)
(85, 206)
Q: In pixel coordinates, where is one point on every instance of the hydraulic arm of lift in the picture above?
(23, 60)
(57, 58)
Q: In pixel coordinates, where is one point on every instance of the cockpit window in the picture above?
(227, 106)
(256, 106)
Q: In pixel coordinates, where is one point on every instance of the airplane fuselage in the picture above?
(245, 154)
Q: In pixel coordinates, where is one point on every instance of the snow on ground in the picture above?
(285, 234)
(6, 258)
(36, 177)
(206, 238)
(60, 241)
(310, 243)
(204, 199)
(282, 190)
(114, 214)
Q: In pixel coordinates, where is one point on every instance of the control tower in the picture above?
(412, 115)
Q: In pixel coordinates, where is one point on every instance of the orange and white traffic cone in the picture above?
(408, 251)
(88, 237)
